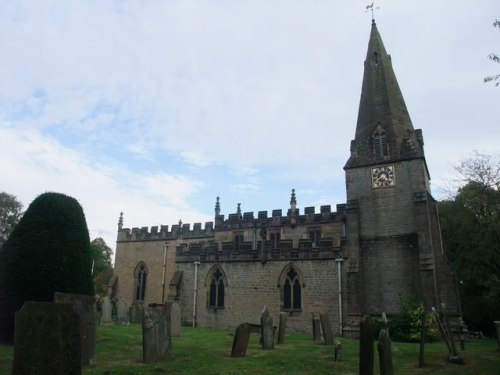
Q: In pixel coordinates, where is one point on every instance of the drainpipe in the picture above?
(164, 268)
(339, 271)
(195, 290)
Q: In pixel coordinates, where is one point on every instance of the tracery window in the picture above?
(217, 290)
(291, 290)
(140, 277)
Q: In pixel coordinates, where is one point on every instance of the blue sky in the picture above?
(154, 108)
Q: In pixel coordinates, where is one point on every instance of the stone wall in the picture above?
(252, 285)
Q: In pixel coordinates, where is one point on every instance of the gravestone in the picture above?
(106, 309)
(327, 329)
(385, 353)
(282, 328)
(175, 319)
(136, 312)
(316, 327)
(366, 346)
(47, 340)
(84, 306)
(497, 325)
(267, 330)
(156, 339)
(338, 351)
(240, 341)
(122, 312)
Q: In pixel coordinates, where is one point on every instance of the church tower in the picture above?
(393, 240)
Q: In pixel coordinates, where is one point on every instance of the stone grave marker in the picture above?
(136, 312)
(156, 339)
(338, 351)
(122, 313)
(316, 325)
(366, 346)
(84, 306)
(240, 341)
(327, 329)
(47, 340)
(267, 330)
(385, 353)
(282, 328)
(106, 310)
(175, 319)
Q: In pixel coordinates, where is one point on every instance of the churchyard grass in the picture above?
(207, 351)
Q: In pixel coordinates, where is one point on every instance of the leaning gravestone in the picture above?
(47, 340)
(84, 306)
(175, 319)
(122, 312)
(327, 329)
(156, 339)
(282, 328)
(366, 346)
(267, 330)
(240, 342)
(385, 353)
(316, 327)
(106, 309)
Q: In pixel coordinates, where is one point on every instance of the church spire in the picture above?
(384, 131)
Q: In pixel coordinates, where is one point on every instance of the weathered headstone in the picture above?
(385, 353)
(84, 306)
(156, 339)
(497, 325)
(175, 319)
(316, 327)
(267, 330)
(122, 312)
(136, 312)
(106, 309)
(338, 351)
(327, 329)
(282, 328)
(47, 340)
(366, 346)
(240, 342)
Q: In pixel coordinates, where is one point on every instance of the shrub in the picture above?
(48, 251)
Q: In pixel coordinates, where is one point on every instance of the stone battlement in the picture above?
(244, 251)
(234, 221)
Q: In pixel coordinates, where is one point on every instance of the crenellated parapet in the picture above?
(164, 233)
(247, 251)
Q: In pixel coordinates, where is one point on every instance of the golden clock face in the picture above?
(383, 176)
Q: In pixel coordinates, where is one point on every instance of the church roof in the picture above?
(382, 111)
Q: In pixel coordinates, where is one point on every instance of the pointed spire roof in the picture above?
(384, 131)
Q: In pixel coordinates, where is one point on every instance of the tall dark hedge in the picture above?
(48, 251)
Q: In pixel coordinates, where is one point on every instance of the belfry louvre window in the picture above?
(379, 142)
(141, 274)
(216, 298)
(292, 291)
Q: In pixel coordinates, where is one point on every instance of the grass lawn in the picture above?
(207, 351)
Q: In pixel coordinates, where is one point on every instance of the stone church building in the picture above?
(363, 256)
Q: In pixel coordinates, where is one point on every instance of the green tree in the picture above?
(102, 269)
(471, 234)
(48, 251)
(10, 213)
(495, 58)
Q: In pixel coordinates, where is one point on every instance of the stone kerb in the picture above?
(84, 307)
(47, 340)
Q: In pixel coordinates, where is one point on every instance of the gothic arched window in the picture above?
(140, 276)
(217, 289)
(379, 143)
(291, 289)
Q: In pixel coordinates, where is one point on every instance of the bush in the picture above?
(48, 251)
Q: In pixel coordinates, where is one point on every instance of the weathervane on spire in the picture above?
(371, 8)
